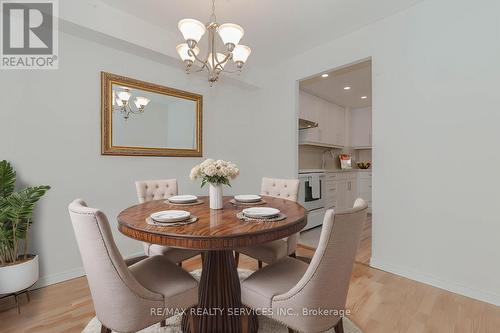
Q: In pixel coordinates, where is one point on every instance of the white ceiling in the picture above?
(358, 77)
(273, 28)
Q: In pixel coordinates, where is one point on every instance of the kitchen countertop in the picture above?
(332, 170)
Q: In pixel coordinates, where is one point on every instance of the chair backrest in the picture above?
(326, 281)
(280, 188)
(148, 190)
(120, 301)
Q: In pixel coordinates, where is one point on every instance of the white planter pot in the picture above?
(18, 277)
(216, 196)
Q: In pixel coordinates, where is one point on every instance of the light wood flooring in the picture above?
(380, 303)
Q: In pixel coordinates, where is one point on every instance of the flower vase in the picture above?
(215, 196)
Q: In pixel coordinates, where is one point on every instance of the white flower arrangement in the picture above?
(214, 172)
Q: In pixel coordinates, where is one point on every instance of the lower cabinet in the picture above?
(365, 187)
(343, 188)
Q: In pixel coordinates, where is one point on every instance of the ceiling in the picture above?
(358, 77)
(273, 29)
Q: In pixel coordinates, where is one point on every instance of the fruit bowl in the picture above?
(364, 165)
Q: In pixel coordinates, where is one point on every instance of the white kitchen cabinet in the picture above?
(330, 118)
(348, 192)
(365, 187)
(361, 127)
(341, 190)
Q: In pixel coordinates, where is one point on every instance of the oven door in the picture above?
(306, 197)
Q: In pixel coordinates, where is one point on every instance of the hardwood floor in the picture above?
(380, 302)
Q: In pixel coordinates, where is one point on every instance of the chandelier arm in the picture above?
(204, 64)
(225, 60)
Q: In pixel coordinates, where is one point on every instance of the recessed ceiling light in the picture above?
(347, 88)
(364, 97)
(324, 75)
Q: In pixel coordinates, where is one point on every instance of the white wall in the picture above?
(436, 75)
(52, 137)
(435, 101)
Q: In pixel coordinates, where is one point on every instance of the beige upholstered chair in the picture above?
(323, 284)
(148, 190)
(270, 252)
(125, 296)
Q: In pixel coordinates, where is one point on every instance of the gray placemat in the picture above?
(242, 217)
(192, 219)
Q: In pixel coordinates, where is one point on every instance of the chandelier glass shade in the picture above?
(216, 60)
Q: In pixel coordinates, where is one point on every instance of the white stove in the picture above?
(312, 191)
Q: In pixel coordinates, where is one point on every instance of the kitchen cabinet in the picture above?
(365, 187)
(341, 190)
(330, 118)
(361, 127)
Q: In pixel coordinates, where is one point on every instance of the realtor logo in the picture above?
(29, 34)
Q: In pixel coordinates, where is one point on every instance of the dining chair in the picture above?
(292, 286)
(127, 295)
(287, 189)
(148, 190)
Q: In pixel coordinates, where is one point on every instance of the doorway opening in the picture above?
(335, 147)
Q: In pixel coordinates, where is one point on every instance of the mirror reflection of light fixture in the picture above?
(122, 98)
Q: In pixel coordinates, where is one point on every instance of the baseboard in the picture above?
(47, 280)
(447, 285)
(74, 273)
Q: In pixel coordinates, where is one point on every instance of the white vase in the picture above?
(18, 277)
(216, 196)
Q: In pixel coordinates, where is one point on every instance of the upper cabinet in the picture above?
(361, 127)
(330, 118)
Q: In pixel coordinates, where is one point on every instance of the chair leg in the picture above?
(260, 264)
(293, 255)
(339, 328)
(236, 258)
(202, 257)
(163, 323)
(104, 329)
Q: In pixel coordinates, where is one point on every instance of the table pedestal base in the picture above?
(219, 299)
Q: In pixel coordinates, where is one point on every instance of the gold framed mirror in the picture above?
(145, 119)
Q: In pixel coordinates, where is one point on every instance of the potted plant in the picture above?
(215, 173)
(18, 268)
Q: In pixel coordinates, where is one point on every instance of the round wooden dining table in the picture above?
(217, 233)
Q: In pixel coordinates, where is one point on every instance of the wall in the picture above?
(52, 137)
(435, 109)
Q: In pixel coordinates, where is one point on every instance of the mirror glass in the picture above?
(164, 122)
(145, 119)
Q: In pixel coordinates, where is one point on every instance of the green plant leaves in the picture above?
(16, 212)
(7, 179)
(20, 205)
(215, 180)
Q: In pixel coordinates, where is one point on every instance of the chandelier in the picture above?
(230, 34)
(121, 103)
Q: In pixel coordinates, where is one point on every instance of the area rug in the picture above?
(266, 325)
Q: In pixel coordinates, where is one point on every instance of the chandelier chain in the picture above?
(213, 18)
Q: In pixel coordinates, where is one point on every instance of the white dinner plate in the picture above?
(183, 198)
(247, 198)
(260, 212)
(169, 216)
